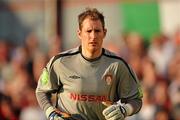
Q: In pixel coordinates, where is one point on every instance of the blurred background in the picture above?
(146, 33)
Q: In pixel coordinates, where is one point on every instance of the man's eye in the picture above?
(89, 31)
(97, 30)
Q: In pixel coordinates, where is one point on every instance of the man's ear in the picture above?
(79, 33)
(105, 31)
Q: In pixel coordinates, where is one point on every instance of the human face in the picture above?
(91, 36)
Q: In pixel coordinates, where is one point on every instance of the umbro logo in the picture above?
(74, 77)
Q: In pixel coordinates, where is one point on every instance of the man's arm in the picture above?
(47, 85)
(128, 91)
(44, 100)
(136, 105)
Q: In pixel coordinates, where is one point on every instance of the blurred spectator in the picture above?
(17, 79)
(174, 77)
(4, 59)
(38, 66)
(161, 97)
(6, 108)
(134, 46)
(32, 110)
(133, 52)
(54, 46)
(16, 89)
(32, 44)
(161, 114)
(112, 47)
(177, 37)
(162, 102)
(4, 52)
(160, 51)
(149, 75)
(176, 112)
(148, 108)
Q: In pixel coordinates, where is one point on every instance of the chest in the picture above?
(84, 79)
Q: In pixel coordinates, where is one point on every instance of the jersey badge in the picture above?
(108, 79)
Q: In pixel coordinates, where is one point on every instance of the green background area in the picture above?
(140, 17)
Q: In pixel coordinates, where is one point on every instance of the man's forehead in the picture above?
(91, 23)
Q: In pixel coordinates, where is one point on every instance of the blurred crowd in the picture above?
(20, 68)
(157, 65)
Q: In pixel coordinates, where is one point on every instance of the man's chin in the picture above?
(93, 48)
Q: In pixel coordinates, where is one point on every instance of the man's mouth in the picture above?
(93, 43)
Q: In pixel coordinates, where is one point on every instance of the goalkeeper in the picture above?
(91, 82)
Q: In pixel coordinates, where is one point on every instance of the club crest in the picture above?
(108, 79)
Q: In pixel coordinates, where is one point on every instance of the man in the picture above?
(91, 82)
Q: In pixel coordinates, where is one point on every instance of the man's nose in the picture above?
(93, 34)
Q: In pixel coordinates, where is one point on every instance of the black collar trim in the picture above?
(91, 60)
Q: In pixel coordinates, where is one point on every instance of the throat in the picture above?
(90, 55)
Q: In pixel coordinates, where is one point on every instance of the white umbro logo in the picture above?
(74, 77)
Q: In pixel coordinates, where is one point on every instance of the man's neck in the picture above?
(91, 54)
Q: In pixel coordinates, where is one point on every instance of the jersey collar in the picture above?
(91, 60)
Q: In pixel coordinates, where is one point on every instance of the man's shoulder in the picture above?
(69, 52)
(113, 56)
(66, 53)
